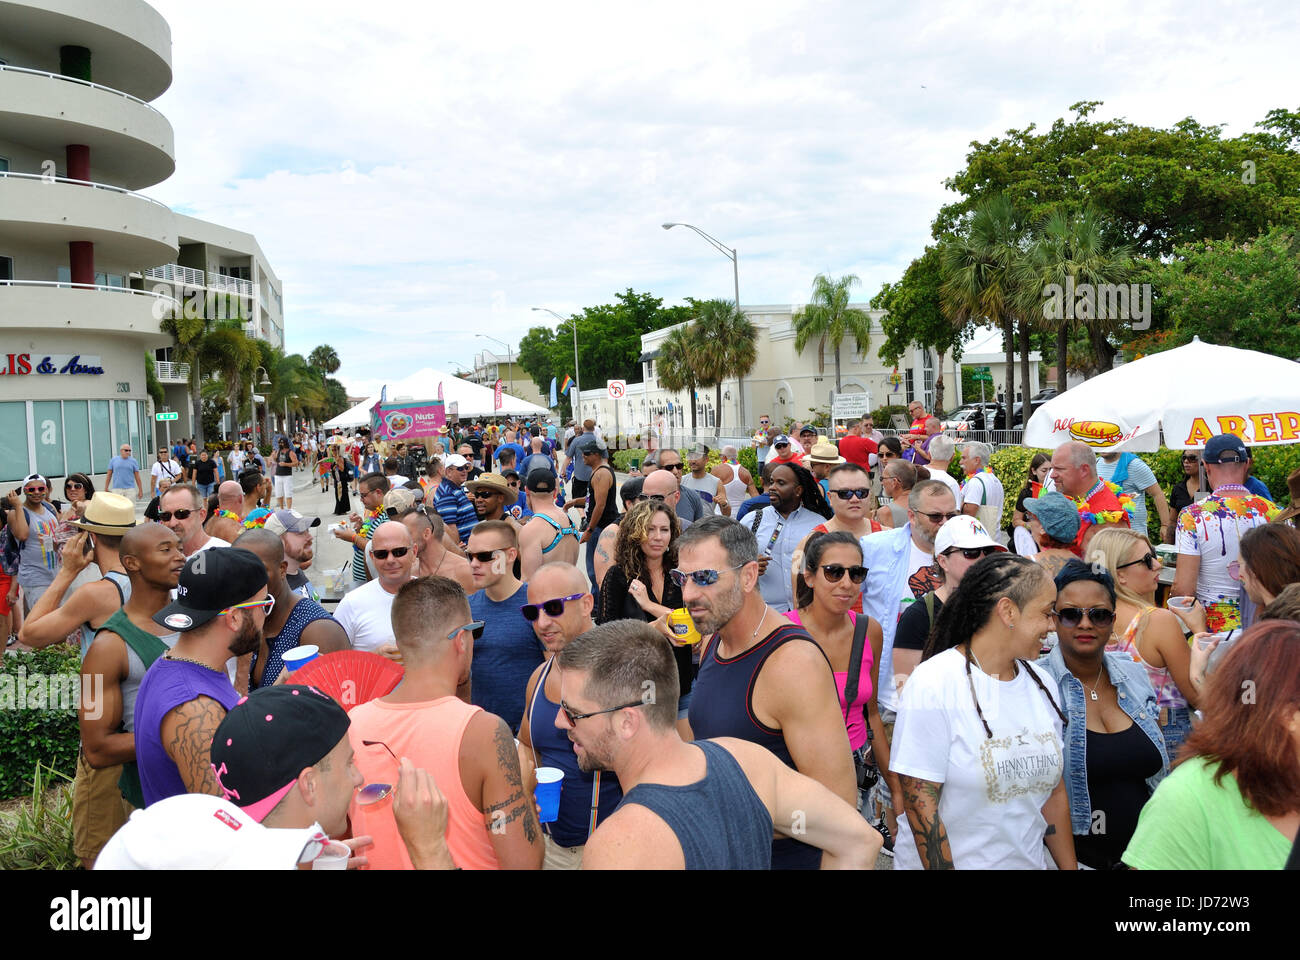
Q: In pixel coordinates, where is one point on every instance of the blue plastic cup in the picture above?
(295, 658)
(549, 782)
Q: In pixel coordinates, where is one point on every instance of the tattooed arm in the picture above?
(509, 816)
(187, 733)
(1059, 838)
(921, 801)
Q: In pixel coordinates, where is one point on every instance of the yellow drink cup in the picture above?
(681, 624)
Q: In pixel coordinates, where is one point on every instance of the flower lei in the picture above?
(224, 514)
(1087, 516)
(257, 519)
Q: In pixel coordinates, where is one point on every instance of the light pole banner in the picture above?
(496, 398)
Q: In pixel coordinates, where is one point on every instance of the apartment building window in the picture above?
(909, 384)
(4, 163)
(6, 268)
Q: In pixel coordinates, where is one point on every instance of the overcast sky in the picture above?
(419, 172)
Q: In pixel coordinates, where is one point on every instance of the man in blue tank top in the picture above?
(792, 709)
(559, 608)
(707, 805)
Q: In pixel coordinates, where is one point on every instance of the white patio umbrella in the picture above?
(1192, 393)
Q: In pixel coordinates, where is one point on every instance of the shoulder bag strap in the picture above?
(855, 663)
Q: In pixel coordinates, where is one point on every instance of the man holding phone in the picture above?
(797, 505)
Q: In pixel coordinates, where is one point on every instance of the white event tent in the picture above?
(472, 400)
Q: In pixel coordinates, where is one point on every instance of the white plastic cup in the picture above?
(295, 658)
(333, 857)
(1182, 603)
(1203, 643)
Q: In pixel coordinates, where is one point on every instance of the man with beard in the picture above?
(294, 531)
(900, 570)
(797, 505)
(761, 678)
(220, 608)
(559, 606)
(707, 805)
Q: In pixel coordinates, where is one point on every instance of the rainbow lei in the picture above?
(224, 514)
(1105, 516)
(257, 519)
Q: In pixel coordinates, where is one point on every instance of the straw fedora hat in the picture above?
(492, 483)
(1293, 483)
(110, 514)
(825, 453)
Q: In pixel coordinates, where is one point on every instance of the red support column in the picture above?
(81, 260)
(78, 155)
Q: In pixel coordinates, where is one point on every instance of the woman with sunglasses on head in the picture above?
(637, 585)
(1115, 753)
(1183, 493)
(1145, 633)
(1233, 799)
(979, 737)
(828, 585)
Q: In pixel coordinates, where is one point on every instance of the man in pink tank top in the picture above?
(470, 754)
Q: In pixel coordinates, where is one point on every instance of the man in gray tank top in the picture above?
(708, 805)
(112, 670)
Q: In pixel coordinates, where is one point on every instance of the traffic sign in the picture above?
(982, 373)
(171, 415)
(617, 389)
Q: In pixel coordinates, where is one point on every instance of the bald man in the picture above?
(428, 536)
(366, 613)
(587, 797)
(226, 524)
(1074, 471)
(294, 621)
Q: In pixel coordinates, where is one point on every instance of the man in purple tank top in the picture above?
(220, 608)
(707, 805)
(792, 709)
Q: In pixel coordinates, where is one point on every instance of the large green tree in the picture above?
(828, 319)
(915, 313)
(678, 365)
(723, 341)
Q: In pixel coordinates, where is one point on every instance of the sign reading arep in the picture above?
(848, 406)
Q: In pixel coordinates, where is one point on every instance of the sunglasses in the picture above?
(937, 517)
(834, 572)
(73, 485)
(650, 496)
(165, 515)
(1149, 560)
(398, 552)
(852, 493)
(374, 792)
(1191, 459)
(973, 553)
(888, 455)
(35, 489)
(267, 603)
(670, 466)
(485, 556)
(573, 718)
(475, 627)
(701, 578)
(780, 445)
(1073, 616)
(484, 494)
(552, 608)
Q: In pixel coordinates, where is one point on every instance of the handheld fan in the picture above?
(350, 676)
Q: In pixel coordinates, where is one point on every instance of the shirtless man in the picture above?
(549, 535)
(428, 534)
(230, 499)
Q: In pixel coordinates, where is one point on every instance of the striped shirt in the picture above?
(455, 508)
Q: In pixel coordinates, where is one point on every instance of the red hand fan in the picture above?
(350, 676)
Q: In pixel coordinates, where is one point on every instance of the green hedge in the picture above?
(32, 736)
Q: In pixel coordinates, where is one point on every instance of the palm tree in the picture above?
(829, 318)
(678, 357)
(1073, 246)
(229, 352)
(979, 267)
(725, 347)
(188, 332)
(325, 359)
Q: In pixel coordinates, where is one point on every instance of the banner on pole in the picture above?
(496, 398)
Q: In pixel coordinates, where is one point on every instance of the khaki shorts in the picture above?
(98, 810)
(561, 858)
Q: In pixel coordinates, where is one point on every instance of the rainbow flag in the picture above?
(564, 387)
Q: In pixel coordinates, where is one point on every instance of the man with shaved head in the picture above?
(227, 522)
(366, 613)
(433, 557)
(1074, 471)
(293, 621)
(559, 606)
(122, 651)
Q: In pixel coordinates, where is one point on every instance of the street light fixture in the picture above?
(509, 361)
(730, 254)
(577, 380)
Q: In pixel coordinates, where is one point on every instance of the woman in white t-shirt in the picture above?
(980, 757)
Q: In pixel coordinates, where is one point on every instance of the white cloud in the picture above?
(421, 173)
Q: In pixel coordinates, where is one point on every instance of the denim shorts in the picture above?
(684, 705)
(1176, 728)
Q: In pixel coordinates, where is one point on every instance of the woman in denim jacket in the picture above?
(1114, 751)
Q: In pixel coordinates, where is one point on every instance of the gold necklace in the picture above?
(198, 663)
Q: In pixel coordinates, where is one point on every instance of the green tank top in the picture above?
(147, 648)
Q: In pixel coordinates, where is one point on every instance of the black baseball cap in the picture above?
(540, 481)
(211, 581)
(268, 738)
(589, 444)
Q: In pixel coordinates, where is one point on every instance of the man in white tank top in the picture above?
(736, 481)
(708, 486)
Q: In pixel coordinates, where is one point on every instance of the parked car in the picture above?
(1037, 400)
(989, 415)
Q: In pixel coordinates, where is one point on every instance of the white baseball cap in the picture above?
(455, 460)
(964, 532)
(198, 831)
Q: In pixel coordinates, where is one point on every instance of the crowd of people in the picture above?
(857, 664)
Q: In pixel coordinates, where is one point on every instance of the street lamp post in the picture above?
(729, 253)
(577, 380)
(509, 361)
(252, 399)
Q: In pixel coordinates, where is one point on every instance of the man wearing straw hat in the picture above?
(1292, 512)
(823, 456)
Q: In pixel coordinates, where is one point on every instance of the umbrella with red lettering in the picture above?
(1189, 394)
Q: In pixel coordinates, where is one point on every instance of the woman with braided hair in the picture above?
(978, 744)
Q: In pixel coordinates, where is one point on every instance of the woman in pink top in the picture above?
(830, 580)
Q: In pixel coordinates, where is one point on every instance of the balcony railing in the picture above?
(82, 183)
(235, 285)
(78, 80)
(172, 301)
(170, 372)
(175, 273)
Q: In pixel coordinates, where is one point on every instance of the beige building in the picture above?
(88, 265)
(784, 384)
(515, 380)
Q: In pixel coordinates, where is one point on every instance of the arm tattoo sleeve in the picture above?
(921, 800)
(191, 744)
(521, 807)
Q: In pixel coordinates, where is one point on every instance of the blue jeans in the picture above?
(1176, 729)
(206, 489)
